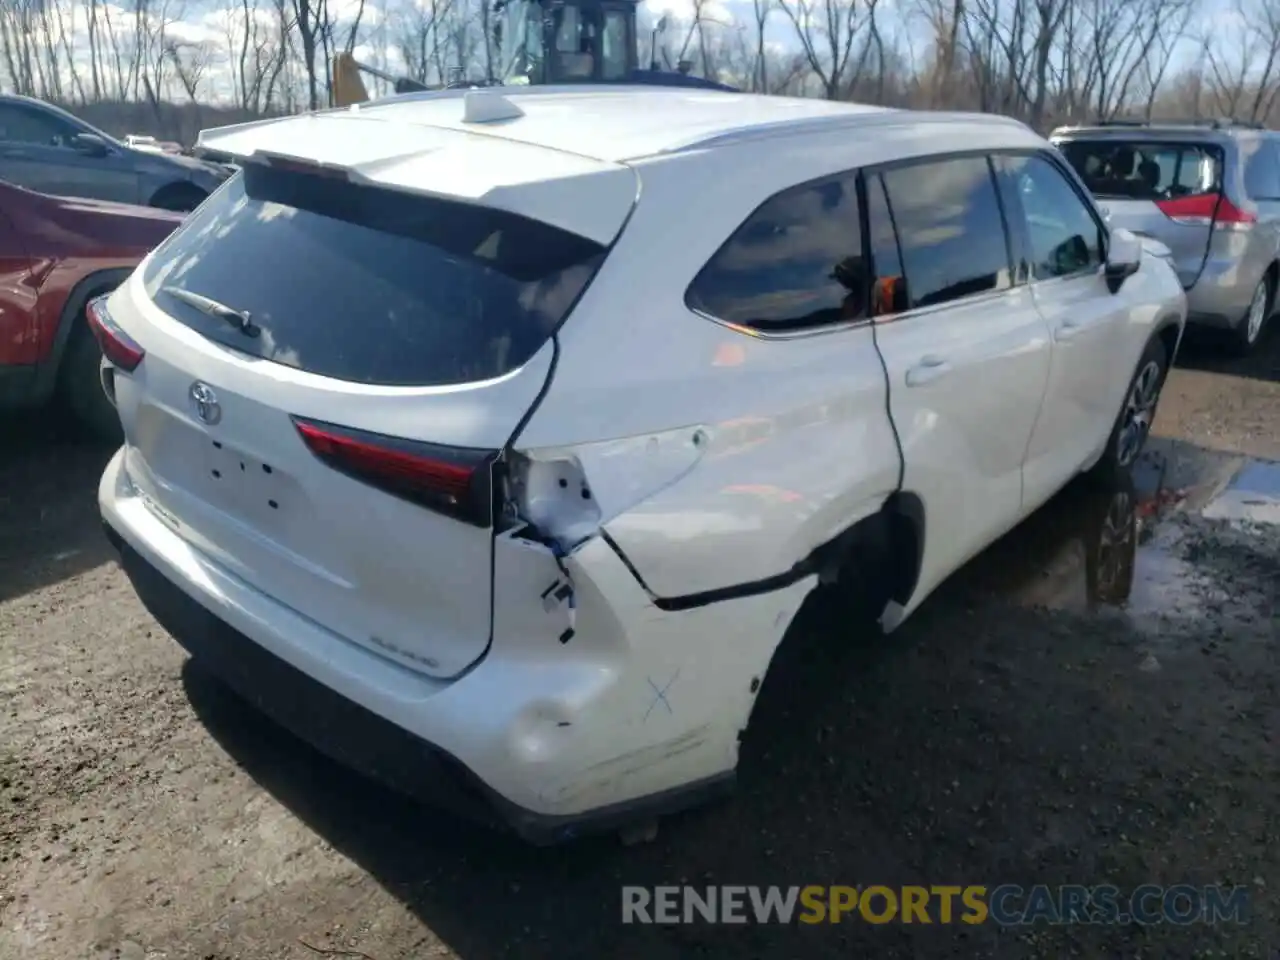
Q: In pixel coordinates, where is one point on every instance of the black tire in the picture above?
(1111, 543)
(1243, 343)
(1137, 411)
(179, 197)
(80, 386)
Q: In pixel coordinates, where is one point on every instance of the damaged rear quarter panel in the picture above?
(795, 444)
(776, 457)
(636, 700)
(713, 459)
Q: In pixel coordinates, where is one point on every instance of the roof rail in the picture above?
(1215, 123)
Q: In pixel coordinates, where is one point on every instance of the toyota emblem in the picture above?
(205, 402)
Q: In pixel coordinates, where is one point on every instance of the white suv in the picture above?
(492, 440)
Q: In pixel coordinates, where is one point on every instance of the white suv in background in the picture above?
(492, 440)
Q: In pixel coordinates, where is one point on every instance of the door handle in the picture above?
(1067, 329)
(929, 368)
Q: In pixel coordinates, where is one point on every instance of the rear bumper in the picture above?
(551, 739)
(359, 738)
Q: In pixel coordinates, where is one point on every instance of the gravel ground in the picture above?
(146, 813)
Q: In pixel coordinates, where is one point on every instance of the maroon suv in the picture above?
(57, 254)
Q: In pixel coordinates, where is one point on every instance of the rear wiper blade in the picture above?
(237, 318)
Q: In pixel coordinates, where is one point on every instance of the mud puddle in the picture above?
(1118, 546)
(1252, 495)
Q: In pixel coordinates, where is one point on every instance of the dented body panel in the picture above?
(624, 708)
(733, 458)
(638, 708)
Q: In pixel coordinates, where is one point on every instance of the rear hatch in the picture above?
(332, 364)
(1167, 189)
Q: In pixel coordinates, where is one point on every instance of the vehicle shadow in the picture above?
(49, 525)
(1202, 350)
(488, 895)
(950, 753)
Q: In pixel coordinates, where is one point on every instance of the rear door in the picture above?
(966, 351)
(1167, 188)
(330, 370)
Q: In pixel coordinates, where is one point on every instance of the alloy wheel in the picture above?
(1139, 411)
(1115, 549)
(1257, 313)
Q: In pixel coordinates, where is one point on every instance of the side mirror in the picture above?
(1124, 256)
(89, 144)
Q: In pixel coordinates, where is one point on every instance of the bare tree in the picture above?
(311, 20)
(1230, 58)
(418, 38)
(828, 32)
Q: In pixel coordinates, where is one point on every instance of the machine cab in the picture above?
(565, 41)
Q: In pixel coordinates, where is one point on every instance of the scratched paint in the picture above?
(660, 695)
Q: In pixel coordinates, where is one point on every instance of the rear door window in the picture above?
(796, 262)
(368, 285)
(1144, 170)
(950, 229)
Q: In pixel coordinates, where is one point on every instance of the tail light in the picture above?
(1231, 217)
(1205, 209)
(456, 481)
(116, 345)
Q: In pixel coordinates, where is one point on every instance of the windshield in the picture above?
(1144, 170)
(587, 42)
(520, 51)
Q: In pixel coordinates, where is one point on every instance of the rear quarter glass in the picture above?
(368, 285)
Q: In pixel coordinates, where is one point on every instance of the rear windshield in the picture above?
(1141, 170)
(368, 285)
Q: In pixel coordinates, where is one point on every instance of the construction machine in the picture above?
(547, 42)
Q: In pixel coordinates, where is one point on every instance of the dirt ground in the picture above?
(1031, 724)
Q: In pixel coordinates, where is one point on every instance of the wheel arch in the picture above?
(887, 544)
(1168, 330)
(889, 540)
(88, 287)
(907, 514)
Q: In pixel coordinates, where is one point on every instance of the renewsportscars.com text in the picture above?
(1006, 905)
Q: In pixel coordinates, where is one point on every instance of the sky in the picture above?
(207, 22)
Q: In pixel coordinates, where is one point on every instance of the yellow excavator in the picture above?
(545, 42)
(348, 87)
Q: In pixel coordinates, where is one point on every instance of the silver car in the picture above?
(49, 150)
(1210, 192)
